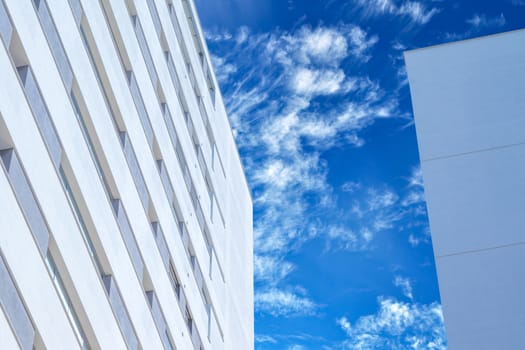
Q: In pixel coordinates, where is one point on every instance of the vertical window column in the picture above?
(161, 243)
(66, 301)
(6, 28)
(159, 319)
(155, 16)
(120, 312)
(41, 114)
(129, 238)
(145, 51)
(141, 108)
(40, 231)
(54, 42)
(76, 8)
(26, 199)
(134, 167)
(14, 309)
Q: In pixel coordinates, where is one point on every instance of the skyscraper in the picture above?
(125, 216)
(469, 106)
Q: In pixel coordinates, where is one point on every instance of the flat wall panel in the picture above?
(476, 201)
(482, 295)
(468, 96)
(470, 122)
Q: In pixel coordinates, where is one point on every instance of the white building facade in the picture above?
(469, 107)
(125, 215)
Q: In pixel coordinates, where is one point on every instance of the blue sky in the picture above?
(319, 102)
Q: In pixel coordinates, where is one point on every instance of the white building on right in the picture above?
(469, 106)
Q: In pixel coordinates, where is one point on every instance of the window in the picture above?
(106, 93)
(66, 301)
(189, 320)
(80, 221)
(174, 280)
(89, 141)
(26, 198)
(14, 309)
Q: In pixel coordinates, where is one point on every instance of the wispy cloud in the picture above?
(296, 347)
(405, 285)
(416, 178)
(362, 42)
(273, 84)
(350, 186)
(397, 325)
(480, 21)
(416, 191)
(265, 339)
(416, 240)
(416, 11)
(223, 70)
(477, 24)
(284, 303)
(381, 199)
(270, 269)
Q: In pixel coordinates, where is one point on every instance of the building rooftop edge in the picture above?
(431, 47)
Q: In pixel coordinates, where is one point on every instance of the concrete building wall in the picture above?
(469, 107)
(126, 218)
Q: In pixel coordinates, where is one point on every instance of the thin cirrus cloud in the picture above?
(273, 83)
(416, 12)
(281, 134)
(477, 24)
(278, 302)
(483, 21)
(405, 285)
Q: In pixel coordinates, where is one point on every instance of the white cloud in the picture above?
(416, 178)
(217, 36)
(262, 338)
(311, 57)
(242, 35)
(416, 194)
(416, 240)
(307, 81)
(405, 285)
(344, 324)
(270, 269)
(362, 42)
(281, 303)
(478, 21)
(296, 347)
(344, 238)
(224, 70)
(413, 240)
(416, 11)
(322, 45)
(413, 197)
(351, 186)
(375, 210)
(396, 326)
(273, 95)
(381, 199)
